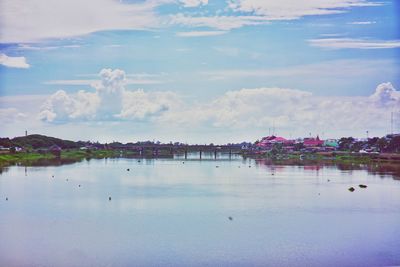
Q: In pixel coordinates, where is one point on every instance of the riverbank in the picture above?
(68, 156)
(338, 157)
(76, 155)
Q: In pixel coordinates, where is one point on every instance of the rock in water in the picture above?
(230, 218)
(109, 198)
(128, 170)
(351, 189)
(362, 186)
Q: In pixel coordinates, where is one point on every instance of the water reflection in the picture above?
(166, 213)
(383, 169)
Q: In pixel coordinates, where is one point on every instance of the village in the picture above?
(387, 144)
(266, 146)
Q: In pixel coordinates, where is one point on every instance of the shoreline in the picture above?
(73, 155)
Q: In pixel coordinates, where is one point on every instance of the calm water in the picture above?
(168, 213)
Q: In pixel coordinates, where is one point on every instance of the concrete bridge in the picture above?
(170, 149)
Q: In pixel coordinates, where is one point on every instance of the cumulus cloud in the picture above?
(13, 62)
(109, 101)
(385, 94)
(297, 110)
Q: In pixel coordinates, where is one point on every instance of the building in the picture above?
(55, 150)
(268, 142)
(331, 143)
(312, 142)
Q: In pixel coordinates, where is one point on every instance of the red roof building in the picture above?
(269, 141)
(313, 142)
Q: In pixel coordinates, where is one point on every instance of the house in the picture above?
(269, 141)
(88, 147)
(55, 150)
(331, 143)
(313, 142)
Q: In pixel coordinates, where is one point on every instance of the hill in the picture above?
(36, 141)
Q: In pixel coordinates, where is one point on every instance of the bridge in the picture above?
(171, 149)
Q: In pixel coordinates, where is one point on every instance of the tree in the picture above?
(345, 143)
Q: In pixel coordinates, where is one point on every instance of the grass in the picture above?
(25, 158)
(316, 157)
(31, 158)
(70, 156)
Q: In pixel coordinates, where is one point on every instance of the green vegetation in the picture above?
(341, 157)
(23, 158)
(32, 158)
(36, 141)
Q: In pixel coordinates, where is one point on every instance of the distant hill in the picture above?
(36, 141)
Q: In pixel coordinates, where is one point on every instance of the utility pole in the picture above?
(391, 122)
(367, 134)
(273, 128)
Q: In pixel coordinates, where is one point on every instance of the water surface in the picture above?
(175, 212)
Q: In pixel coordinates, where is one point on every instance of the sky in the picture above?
(199, 71)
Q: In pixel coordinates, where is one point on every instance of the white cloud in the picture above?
(110, 101)
(386, 94)
(338, 69)
(10, 115)
(13, 62)
(193, 3)
(35, 20)
(199, 33)
(41, 47)
(294, 9)
(223, 23)
(65, 19)
(245, 111)
(258, 12)
(350, 43)
(362, 22)
(136, 78)
(299, 111)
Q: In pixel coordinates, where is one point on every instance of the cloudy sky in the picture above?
(199, 71)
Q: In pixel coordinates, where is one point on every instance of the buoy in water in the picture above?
(109, 198)
(230, 218)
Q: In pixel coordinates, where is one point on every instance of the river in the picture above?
(191, 212)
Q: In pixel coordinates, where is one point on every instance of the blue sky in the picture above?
(199, 71)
